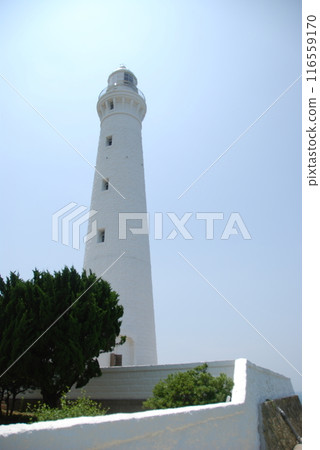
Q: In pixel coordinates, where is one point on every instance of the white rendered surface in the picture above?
(122, 165)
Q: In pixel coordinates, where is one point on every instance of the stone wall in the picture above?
(276, 430)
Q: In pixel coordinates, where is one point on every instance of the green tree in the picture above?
(15, 332)
(193, 387)
(88, 324)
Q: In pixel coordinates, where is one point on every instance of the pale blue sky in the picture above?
(208, 70)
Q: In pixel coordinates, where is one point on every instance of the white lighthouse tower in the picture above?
(118, 196)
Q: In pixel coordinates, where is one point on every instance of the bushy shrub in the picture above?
(83, 406)
(194, 387)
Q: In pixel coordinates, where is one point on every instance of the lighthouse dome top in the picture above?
(122, 76)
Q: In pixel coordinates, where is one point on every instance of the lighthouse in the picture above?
(120, 248)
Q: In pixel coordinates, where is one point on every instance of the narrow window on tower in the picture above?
(128, 78)
(105, 184)
(110, 104)
(101, 235)
(108, 141)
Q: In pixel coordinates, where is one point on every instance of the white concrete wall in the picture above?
(197, 427)
(225, 426)
(136, 382)
(253, 385)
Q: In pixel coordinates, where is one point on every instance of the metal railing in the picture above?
(116, 85)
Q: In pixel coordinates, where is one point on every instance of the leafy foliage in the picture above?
(15, 332)
(88, 324)
(83, 406)
(193, 387)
